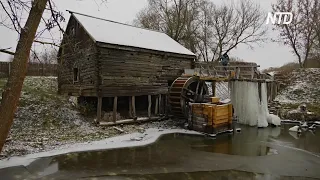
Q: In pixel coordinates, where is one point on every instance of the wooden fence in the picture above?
(34, 69)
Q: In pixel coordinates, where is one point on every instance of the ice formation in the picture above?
(295, 129)
(248, 106)
(273, 119)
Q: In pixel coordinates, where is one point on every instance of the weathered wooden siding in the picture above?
(78, 51)
(132, 73)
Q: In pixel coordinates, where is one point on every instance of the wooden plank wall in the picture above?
(78, 51)
(131, 73)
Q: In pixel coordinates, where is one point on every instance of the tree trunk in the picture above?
(12, 90)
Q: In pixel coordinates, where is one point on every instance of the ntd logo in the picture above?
(282, 17)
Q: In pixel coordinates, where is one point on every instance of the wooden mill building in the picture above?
(123, 69)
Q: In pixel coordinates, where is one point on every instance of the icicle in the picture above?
(264, 112)
(248, 107)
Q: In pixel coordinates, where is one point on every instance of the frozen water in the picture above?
(264, 112)
(248, 107)
(273, 119)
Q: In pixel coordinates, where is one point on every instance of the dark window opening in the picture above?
(75, 74)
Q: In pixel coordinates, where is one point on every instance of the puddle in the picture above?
(179, 156)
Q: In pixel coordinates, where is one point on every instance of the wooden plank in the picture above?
(213, 88)
(115, 105)
(99, 109)
(130, 121)
(130, 107)
(160, 104)
(156, 105)
(133, 103)
(252, 72)
(149, 105)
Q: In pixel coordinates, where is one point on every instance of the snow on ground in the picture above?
(129, 140)
(46, 121)
(303, 87)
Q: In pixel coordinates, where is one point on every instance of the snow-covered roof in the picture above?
(111, 32)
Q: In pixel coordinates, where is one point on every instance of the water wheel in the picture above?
(183, 91)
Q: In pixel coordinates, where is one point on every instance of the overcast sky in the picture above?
(268, 55)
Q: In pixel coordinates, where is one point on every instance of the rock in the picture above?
(118, 129)
(141, 130)
(295, 129)
(136, 138)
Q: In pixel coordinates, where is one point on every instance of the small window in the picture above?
(73, 31)
(75, 74)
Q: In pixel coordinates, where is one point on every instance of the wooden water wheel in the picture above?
(183, 91)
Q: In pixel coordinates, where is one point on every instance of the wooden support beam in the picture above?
(133, 103)
(130, 107)
(149, 105)
(131, 121)
(115, 105)
(252, 72)
(238, 73)
(160, 104)
(99, 109)
(156, 106)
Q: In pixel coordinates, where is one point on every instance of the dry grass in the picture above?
(289, 67)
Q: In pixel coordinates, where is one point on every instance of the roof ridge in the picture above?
(72, 12)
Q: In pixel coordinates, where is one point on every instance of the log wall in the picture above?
(134, 73)
(78, 51)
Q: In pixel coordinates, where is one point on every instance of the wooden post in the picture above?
(156, 106)
(271, 92)
(115, 105)
(238, 73)
(130, 107)
(213, 88)
(99, 109)
(133, 103)
(149, 105)
(160, 105)
(252, 72)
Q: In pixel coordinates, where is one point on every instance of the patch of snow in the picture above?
(302, 87)
(273, 119)
(110, 32)
(129, 140)
(294, 129)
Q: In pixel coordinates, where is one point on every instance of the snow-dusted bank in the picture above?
(129, 140)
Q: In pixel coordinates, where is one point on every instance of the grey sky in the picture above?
(268, 55)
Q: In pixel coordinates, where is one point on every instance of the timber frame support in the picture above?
(156, 110)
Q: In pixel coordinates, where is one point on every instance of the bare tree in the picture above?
(300, 34)
(177, 18)
(15, 11)
(49, 56)
(232, 25)
(12, 90)
(317, 30)
(203, 27)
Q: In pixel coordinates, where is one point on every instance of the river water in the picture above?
(269, 153)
